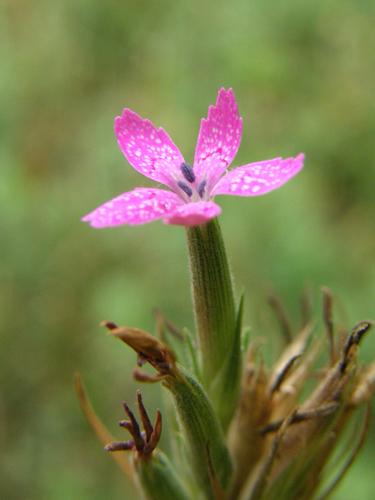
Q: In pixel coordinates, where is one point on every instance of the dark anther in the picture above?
(201, 187)
(185, 188)
(187, 172)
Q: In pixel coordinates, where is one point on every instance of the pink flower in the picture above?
(190, 189)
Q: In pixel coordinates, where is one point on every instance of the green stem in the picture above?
(218, 325)
(212, 295)
(158, 478)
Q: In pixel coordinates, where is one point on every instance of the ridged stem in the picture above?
(218, 323)
(213, 299)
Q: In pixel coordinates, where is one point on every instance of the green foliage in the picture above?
(208, 454)
(159, 471)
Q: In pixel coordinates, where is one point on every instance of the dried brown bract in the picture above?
(149, 349)
(283, 434)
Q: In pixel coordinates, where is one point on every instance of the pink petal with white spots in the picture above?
(139, 206)
(193, 214)
(219, 137)
(259, 178)
(148, 149)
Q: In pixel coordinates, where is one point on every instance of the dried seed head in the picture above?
(308, 427)
(322, 418)
(142, 442)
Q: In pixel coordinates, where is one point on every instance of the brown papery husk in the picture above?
(244, 439)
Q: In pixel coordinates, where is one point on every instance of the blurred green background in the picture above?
(304, 77)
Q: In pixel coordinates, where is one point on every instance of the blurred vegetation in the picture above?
(304, 76)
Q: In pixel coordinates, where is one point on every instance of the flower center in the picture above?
(194, 191)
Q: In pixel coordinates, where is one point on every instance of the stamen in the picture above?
(185, 188)
(201, 187)
(187, 172)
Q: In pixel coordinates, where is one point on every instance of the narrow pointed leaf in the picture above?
(226, 385)
(208, 454)
(98, 427)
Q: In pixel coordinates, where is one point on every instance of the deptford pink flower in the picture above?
(190, 188)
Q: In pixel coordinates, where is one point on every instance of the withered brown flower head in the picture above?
(143, 442)
(282, 439)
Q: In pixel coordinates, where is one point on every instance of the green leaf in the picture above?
(208, 454)
(226, 385)
(192, 354)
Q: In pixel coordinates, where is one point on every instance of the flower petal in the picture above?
(139, 206)
(259, 178)
(219, 137)
(148, 149)
(193, 214)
